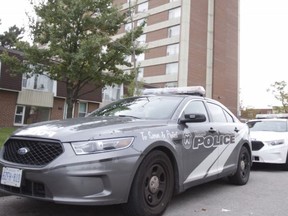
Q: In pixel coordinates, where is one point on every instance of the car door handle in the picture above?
(236, 130)
(211, 130)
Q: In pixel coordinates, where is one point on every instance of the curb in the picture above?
(3, 194)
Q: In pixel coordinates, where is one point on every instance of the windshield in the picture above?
(276, 126)
(155, 107)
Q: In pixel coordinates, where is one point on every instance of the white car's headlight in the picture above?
(95, 146)
(276, 142)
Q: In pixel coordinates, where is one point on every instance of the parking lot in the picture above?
(264, 195)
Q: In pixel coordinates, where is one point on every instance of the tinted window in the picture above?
(141, 107)
(216, 113)
(195, 107)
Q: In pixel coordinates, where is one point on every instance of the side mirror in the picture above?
(193, 117)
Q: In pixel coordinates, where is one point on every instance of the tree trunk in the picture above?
(70, 102)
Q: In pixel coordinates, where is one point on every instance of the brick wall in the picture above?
(58, 109)
(7, 106)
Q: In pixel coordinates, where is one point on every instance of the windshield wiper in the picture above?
(129, 116)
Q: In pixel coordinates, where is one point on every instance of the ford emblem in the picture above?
(23, 151)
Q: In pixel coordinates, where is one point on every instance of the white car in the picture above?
(269, 139)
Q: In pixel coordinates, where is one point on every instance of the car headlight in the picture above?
(276, 142)
(95, 146)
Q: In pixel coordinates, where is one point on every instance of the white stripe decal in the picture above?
(214, 163)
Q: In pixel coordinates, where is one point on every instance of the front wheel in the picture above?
(242, 174)
(152, 187)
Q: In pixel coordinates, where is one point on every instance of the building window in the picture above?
(172, 68)
(141, 40)
(140, 74)
(140, 57)
(30, 114)
(174, 31)
(175, 13)
(140, 22)
(82, 109)
(19, 115)
(172, 49)
(128, 27)
(128, 58)
(171, 84)
(143, 7)
(112, 93)
(37, 82)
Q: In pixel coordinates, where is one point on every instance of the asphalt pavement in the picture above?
(264, 195)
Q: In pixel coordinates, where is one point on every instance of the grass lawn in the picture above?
(4, 134)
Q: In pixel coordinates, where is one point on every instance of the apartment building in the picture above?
(189, 42)
(29, 99)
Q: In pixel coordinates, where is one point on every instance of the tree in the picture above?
(280, 92)
(73, 43)
(9, 38)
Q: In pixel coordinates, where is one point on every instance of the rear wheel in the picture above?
(152, 187)
(242, 174)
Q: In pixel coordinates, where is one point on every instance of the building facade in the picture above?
(29, 99)
(189, 42)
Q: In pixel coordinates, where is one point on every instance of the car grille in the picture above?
(28, 188)
(257, 145)
(34, 152)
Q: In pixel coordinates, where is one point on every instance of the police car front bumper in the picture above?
(95, 179)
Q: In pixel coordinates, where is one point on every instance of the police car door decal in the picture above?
(214, 163)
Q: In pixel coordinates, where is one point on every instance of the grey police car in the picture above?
(137, 151)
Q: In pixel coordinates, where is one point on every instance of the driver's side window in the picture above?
(195, 107)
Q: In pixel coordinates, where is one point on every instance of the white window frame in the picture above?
(20, 114)
(79, 110)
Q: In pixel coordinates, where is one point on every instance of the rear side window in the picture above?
(217, 113)
(228, 116)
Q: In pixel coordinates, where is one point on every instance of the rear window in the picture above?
(276, 126)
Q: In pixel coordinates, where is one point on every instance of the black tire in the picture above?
(153, 186)
(241, 176)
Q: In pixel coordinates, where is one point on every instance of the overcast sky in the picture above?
(263, 49)
(263, 44)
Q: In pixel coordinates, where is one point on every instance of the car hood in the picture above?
(267, 135)
(87, 128)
